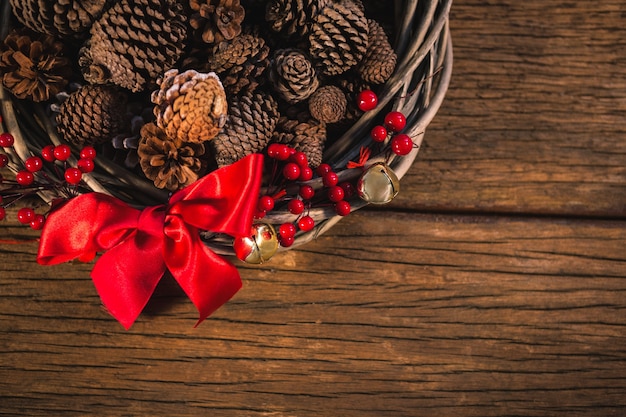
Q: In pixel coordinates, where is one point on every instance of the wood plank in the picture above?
(534, 119)
(417, 314)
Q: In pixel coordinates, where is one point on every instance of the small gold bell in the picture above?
(259, 247)
(378, 184)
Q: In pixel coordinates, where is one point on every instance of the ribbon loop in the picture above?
(140, 246)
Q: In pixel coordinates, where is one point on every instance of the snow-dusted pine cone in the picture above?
(190, 106)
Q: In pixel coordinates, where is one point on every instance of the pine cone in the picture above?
(292, 75)
(191, 106)
(379, 61)
(338, 37)
(328, 104)
(240, 62)
(293, 16)
(133, 43)
(168, 165)
(251, 121)
(93, 114)
(216, 20)
(58, 18)
(33, 66)
(305, 135)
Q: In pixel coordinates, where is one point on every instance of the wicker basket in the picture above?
(416, 89)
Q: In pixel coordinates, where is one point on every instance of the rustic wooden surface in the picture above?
(494, 285)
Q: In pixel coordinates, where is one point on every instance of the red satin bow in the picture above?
(140, 245)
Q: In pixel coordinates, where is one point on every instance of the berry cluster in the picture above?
(394, 122)
(292, 166)
(33, 178)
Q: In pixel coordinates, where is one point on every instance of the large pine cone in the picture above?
(292, 75)
(33, 66)
(293, 16)
(338, 38)
(216, 20)
(379, 61)
(240, 62)
(328, 104)
(59, 17)
(305, 135)
(251, 122)
(133, 43)
(191, 106)
(166, 164)
(93, 114)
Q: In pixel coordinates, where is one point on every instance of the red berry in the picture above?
(278, 151)
(4, 160)
(47, 153)
(73, 175)
(24, 178)
(33, 164)
(25, 215)
(379, 133)
(335, 193)
(285, 242)
(6, 140)
(260, 214)
(306, 223)
(323, 169)
(287, 230)
(88, 152)
(342, 208)
(401, 144)
(266, 203)
(3, 213)
(307, 192)
(395, 121)
(299, 158)
(85, 165)
(296, 206)
(291, 171)
(348, 188)
(37, 222)
(62, 152)
(367, 100)
(329, 179)
(306, 173)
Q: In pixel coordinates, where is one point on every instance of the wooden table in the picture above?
(494, 285)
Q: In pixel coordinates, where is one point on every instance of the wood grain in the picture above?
(494, 285)
(459, 316)
(534, 119)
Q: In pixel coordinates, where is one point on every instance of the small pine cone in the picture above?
(379, 61)
(58, 18)
(292, 75)
(293, 16)
(33, 66)
(328, 104)
(240, 62)
(338, 37)
(306, 136)
(251, 122)
(133, 43)
(93, 114)
(168, 165)
(190, 106)
(216, 20)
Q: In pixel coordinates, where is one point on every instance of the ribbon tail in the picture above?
(208, 279)
(125, 280)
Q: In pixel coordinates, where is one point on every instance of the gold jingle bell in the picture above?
(378, 184)
(259, 247)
